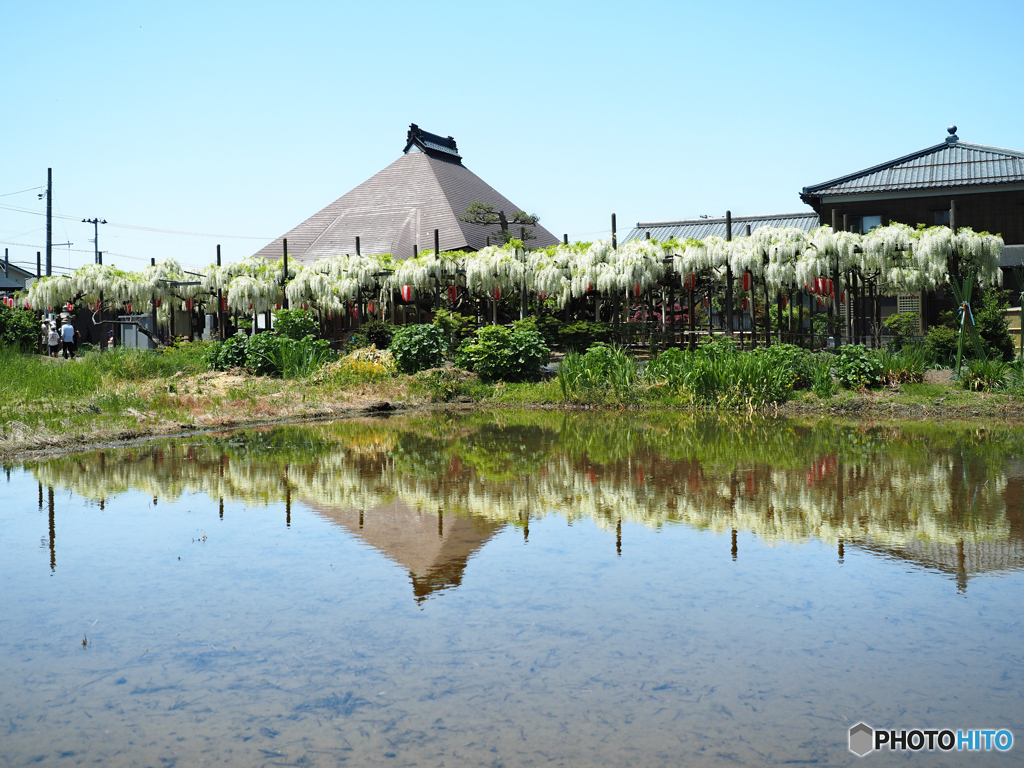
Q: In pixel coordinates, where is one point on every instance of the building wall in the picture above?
(1001, 213)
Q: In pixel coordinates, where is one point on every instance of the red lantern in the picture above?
(691, 282)
(748, 280)
(705, 302)
(542, 296)
(785, 302)
(842, 297)
(27, 305)
(496, 292)
(636, 290)
(743, 303)
(188, 305)
(453, 293)
(831, 288)
(406, 293)
(159, 302)
(303, 306)
(821, 302)
(68, 307)
(590, 287)
(129, 307)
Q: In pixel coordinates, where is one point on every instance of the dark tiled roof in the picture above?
(431, 143)
(698, 229)
(400, 206)
(953, 163)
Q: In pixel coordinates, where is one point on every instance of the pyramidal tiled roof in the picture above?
(427, 188)
(953, 163)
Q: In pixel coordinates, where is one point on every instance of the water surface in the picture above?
(512, 589)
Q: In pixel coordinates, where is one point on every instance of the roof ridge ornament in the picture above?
(952, 138)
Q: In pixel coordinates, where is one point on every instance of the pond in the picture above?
(513, 589)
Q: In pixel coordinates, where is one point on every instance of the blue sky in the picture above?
(243, 120)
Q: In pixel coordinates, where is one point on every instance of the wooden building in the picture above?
(396, 211)
(986, 183)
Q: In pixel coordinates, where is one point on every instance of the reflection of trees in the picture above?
(786, 481)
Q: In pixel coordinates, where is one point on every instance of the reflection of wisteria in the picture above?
(780, 480)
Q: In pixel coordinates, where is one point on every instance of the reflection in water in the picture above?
(429, 491)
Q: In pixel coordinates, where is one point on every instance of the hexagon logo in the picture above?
(862, 738)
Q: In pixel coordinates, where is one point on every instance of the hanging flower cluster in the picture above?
(896, 257)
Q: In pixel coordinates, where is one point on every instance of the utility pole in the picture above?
(49, 221)
(96, 237)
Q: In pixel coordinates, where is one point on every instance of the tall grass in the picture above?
(603, 374)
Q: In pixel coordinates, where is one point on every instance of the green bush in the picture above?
(798, 364)
(579, 336)
(941, 342)
(378, 332)
(550, 328)
(904, 367)
(903, 328)
(227, 354)
(856, 368)
(418, 347)
(19, 329)
(295, 324)
(992, 324)
(456, 328)
(503, 354)
(263, 354)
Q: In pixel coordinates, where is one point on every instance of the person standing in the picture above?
(67, 335)
(53, 339)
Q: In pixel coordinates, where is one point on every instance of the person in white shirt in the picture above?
(53, 340)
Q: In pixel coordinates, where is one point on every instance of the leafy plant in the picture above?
(823, 385)
(295, 324)
(579, 336)
(19, 329)
(903, 328)
(904, 367)
(603, 373)
(230, 353)
(941, 343)
(856, 368)
(984, 375)
(263, 354)
(456, 327)
(378, 332)
(418, 347)
(503, 354)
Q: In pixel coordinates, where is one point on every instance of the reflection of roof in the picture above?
(698, 229)
(962, 560)
(433, 547)
(953, 163)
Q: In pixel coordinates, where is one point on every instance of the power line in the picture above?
(30, 189)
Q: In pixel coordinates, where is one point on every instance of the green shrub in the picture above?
(904, 367)
(992, 324)
(550, 328)
(295, 324)
(503, 354)
(579, 336)
(903, 328)
(456, 328)
(798, 364)
(19, 329)
(941, 342)
(418, 347)
(378, 332)
(856, 368)
(227, 354)
(263, 354)
(300, 358)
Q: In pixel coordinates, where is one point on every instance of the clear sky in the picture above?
(242, 120)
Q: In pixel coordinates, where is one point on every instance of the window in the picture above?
(864, 224)
(941, 217)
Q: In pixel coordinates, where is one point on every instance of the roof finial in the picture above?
(952, 138)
